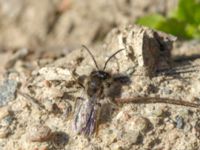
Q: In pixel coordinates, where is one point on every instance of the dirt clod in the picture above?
(39, 133)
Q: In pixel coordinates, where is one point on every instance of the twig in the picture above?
(149, 100)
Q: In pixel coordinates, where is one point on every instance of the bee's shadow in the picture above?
(113, 90)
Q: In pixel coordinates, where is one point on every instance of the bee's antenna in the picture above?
(112, 57)
(95, 62)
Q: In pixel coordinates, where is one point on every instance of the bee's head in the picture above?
(100, 74)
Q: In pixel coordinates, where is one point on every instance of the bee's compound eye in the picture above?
(103, 75)
(100, 74)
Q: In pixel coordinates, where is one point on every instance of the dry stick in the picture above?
(149, 100)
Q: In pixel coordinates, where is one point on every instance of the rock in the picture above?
(4, 132)
(7, 91)
(179, 122)
(53, 93)
(109, 136)
(48, 104)
(125, 140)
(6, 121)
(59, 140)
(4, 111)
(148, 50)
(139, 124)
(55, 73)
(154, 111)
(165, 91)
(129, 137)
(66, 108)
(39, 133)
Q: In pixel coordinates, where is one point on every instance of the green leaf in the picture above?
(197, 13)
(183, 22)
(152, 20)
(174, 27)
(189, 11)
(196, 32)
(190, 30)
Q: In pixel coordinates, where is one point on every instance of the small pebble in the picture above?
(4, 132)
(66, 108)
(156, 121)
(55, 109)
(187, 127)
(138, 123)
(7, 91)
(48, 104)
(154, 111)
(141, 123)
(4, 111)
(129, 137)
(108, 135)
(169, 126)
(53, 93)
(55, 73)
(59, 140)
(6, 121)
(39, 133)
(179, 122)
(165, 91)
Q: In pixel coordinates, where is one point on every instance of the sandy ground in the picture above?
(40, 117)
(38, 87)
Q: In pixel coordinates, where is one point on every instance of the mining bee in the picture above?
(99, 85)
(88, 106)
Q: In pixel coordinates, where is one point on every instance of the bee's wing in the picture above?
(86, 116)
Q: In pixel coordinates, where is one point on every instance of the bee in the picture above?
(88, 107)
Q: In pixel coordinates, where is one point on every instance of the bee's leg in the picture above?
(103, 114)
(79, 79)
(76, 103)
(111, 102)
(97, 119)
(118, 65)
(122, 79)
(68, 111)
